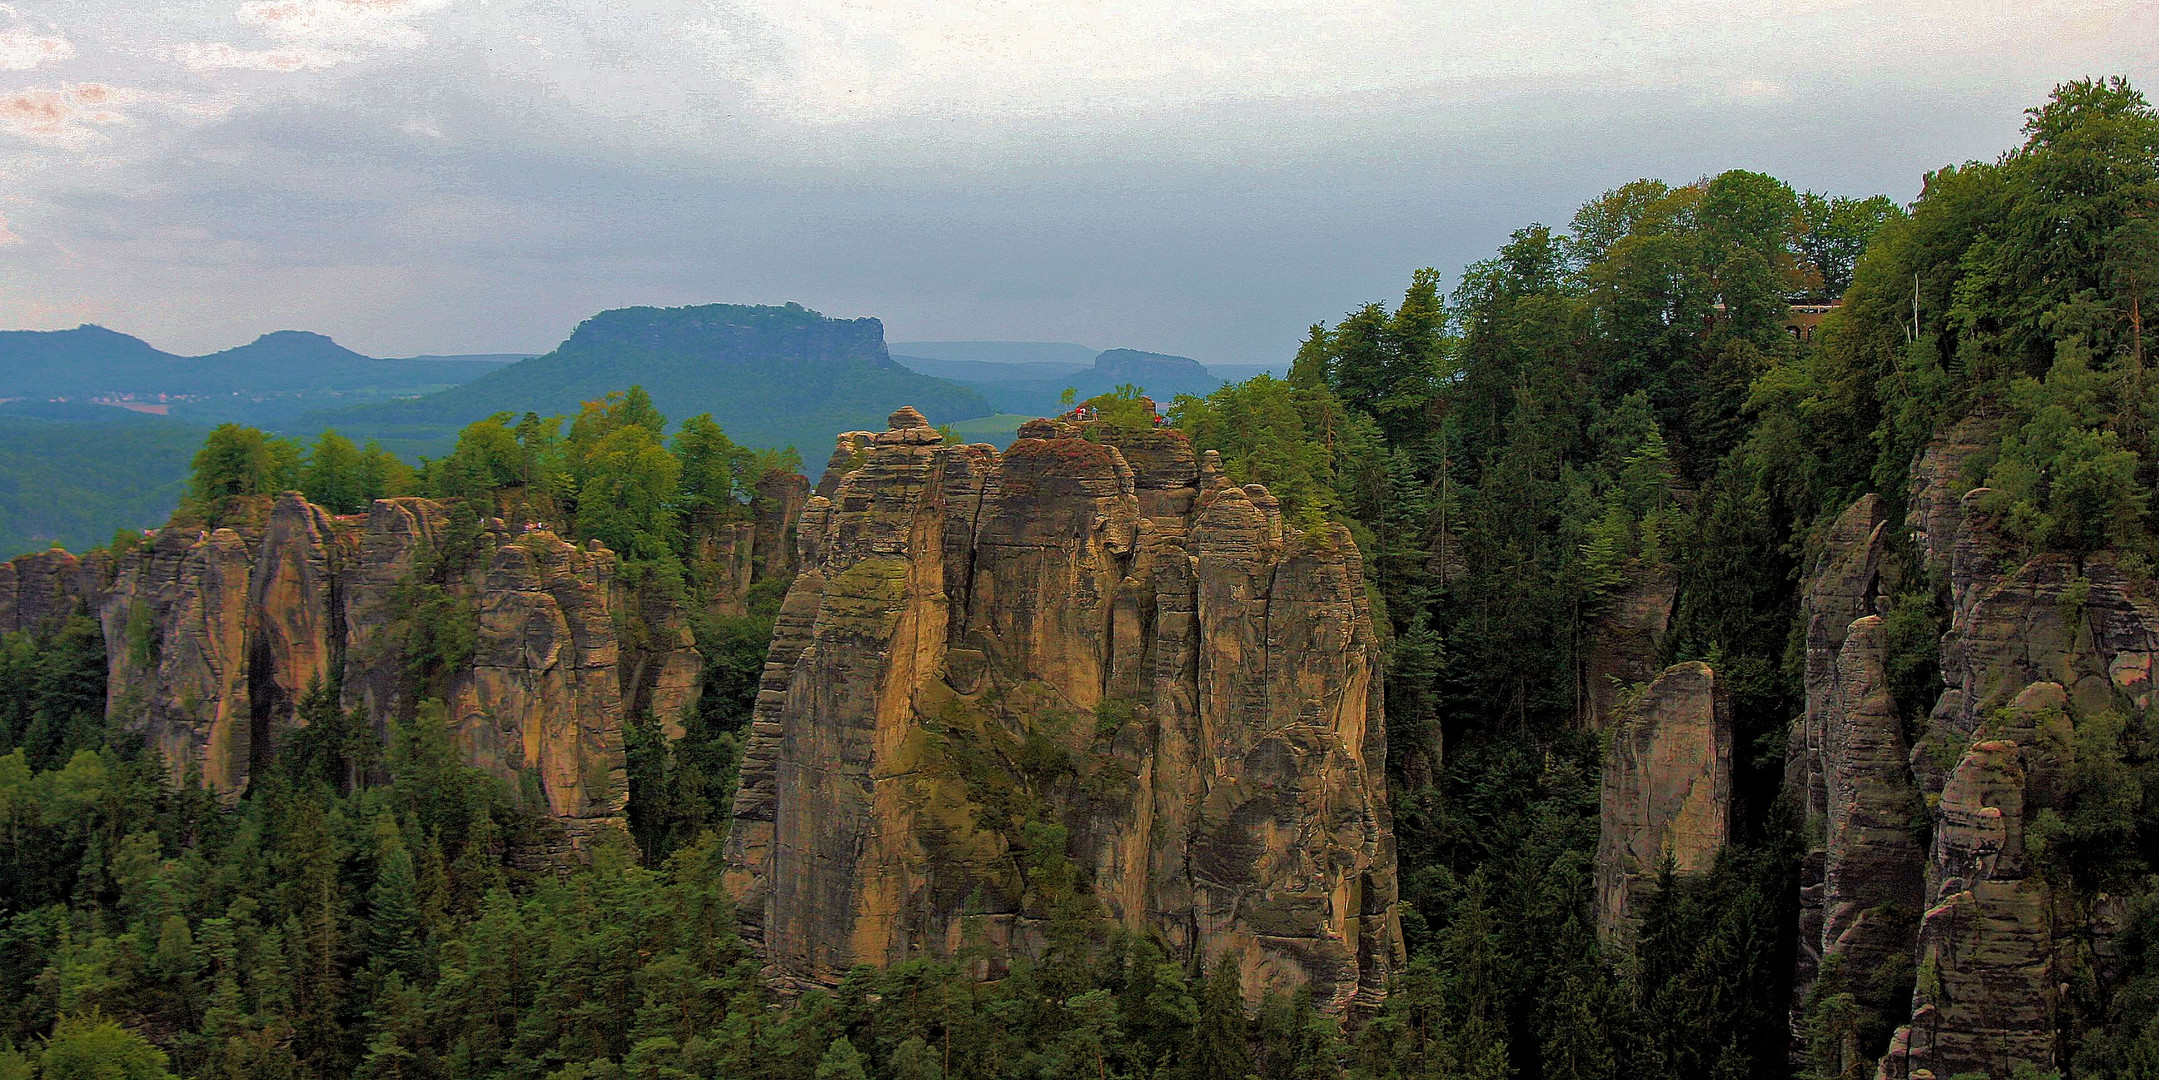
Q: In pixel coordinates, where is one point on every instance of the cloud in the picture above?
(21, 50)
(384, 23)
(63, 115)
(7, 235)
(217, 55)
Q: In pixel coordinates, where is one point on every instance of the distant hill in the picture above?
(89, 361)
(267, 381)
(1061, 353)
(986, 371)
(1033, 387)
(772, 376)
(489, 358)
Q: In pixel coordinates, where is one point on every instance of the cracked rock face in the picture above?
(39, 588)
(1918, 856)
(1625, 641)
(214, 638)
(1082, 666)
(1861, 876)
(1667, 790)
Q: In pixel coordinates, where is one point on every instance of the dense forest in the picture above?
(1618, 397)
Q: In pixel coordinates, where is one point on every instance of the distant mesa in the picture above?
(1132, 364)
(772, 376)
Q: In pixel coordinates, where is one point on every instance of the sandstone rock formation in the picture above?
(176, 645)
(2036, 647)
(542, 695)
(1667, 793)
(1626, 639)
(1085, 656)
(1860, 880)
(215, 637)
(38, 588)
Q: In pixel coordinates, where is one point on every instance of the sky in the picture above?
(439, 176)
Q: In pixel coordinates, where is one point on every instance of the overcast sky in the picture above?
(1208, 178)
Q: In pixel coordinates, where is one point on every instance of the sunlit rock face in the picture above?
(1667, 790)
(1085, 667)
(215, 638)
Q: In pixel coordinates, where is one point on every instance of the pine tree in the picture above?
(842, 1062)
(1220, 1048)
(393, 908)
(915, 1060)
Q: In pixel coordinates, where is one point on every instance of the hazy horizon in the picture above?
(447, 176)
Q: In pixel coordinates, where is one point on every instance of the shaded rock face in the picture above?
(1092, 655)
(1860, 879)
(1667, 791)
(2035, 648)
(296, 611)
(39, 588)
(1625, 641)
(662, 669)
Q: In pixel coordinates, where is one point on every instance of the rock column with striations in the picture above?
(1667, 790)
(1090, 651)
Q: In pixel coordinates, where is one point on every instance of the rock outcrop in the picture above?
(1860, 880)
(38, 588)
(1667, 792)
(1923, 865)
(216, 638)
(176, 646)
(1086, 671)
(1625, 640)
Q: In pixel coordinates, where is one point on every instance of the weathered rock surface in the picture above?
(296, 611)
(39, 588)
(1985, 1001)
(542, 695)
(1094, 654)
(176, 644)
(2035, 647)
(1861, 877)
(215, 638)
(1667, 790)
(1625, 640)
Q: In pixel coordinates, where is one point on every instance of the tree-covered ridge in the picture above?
(1592, 407)
(71, 480)
(609, 474)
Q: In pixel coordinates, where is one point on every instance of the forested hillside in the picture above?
(1595, 411)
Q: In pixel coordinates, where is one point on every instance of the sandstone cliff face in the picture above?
(295, 607)
(995, 670)
(1667, 790)
(542, 695)
(2035, 647)
(176, 643)
(1625, 641)
(38, 588)
(215, 637)
(1860, 880)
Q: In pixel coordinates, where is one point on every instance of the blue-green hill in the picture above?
(771, 376)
